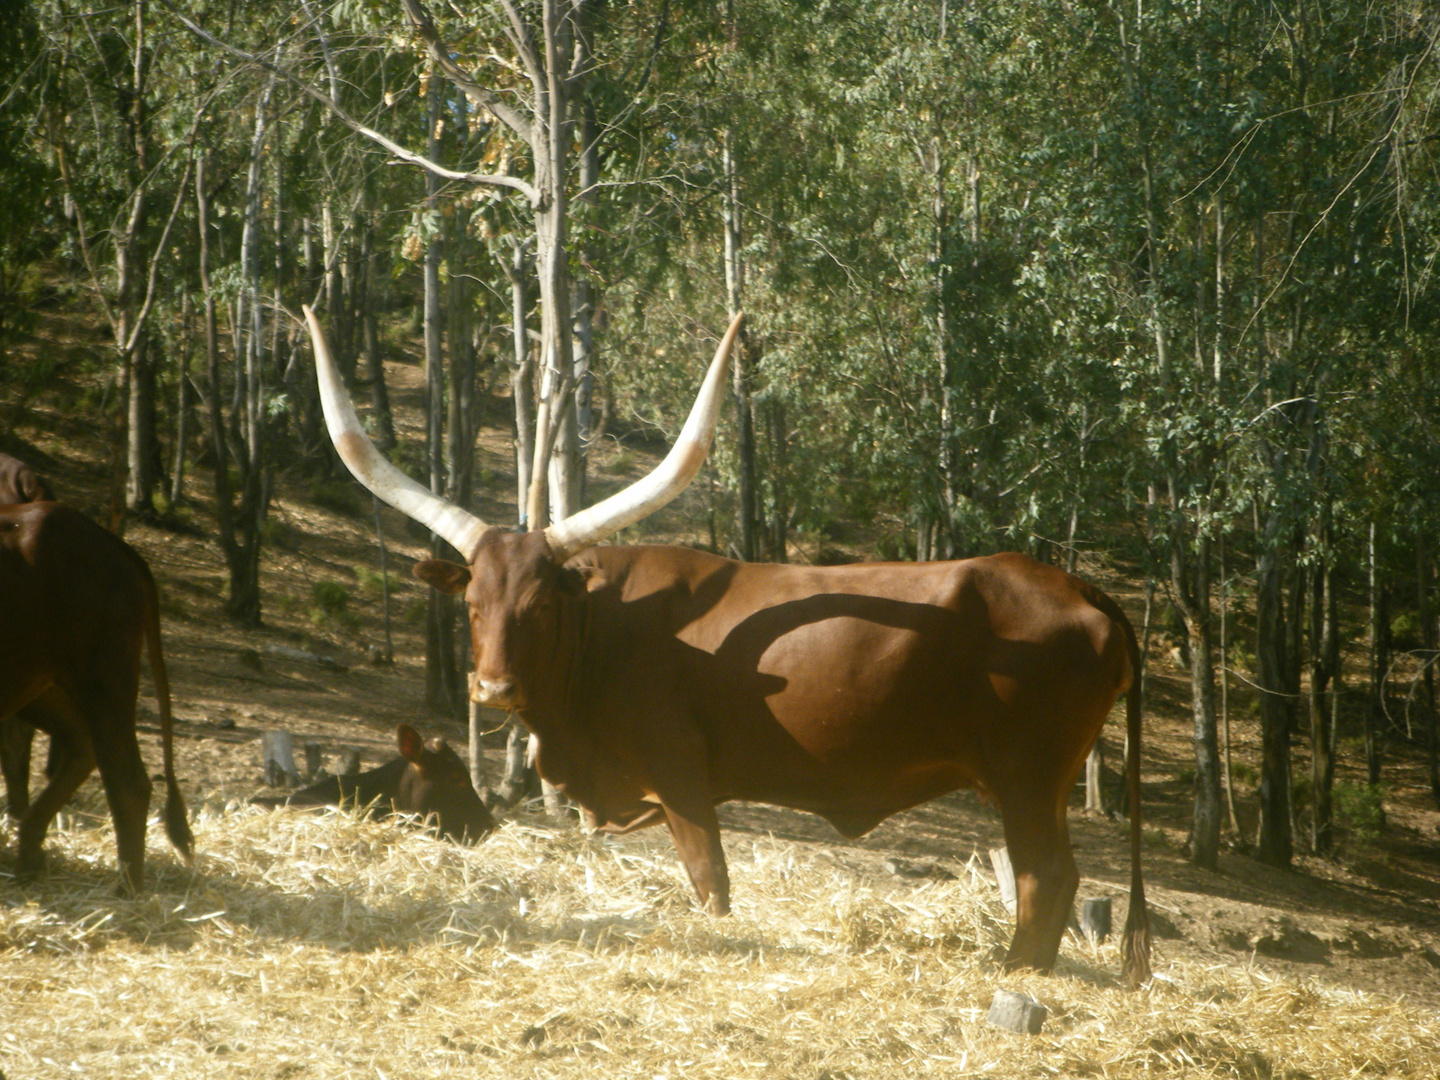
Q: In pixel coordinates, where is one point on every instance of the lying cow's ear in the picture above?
(448, 577)
(411, 745)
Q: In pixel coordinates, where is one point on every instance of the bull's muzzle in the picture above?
(497, 693)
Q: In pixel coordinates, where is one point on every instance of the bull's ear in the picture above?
(412, 746)
(448, 577)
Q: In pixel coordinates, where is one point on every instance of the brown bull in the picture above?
(80, 605)
(662, 681)
(428, 780)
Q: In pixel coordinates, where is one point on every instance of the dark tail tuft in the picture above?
(1135, 944)
(177, 823)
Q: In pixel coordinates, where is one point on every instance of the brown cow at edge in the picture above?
(427, 779)
(80, 605)
(662, 681)
(19, 483)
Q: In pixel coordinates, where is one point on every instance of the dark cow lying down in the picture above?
(661, 681)
(428, 778)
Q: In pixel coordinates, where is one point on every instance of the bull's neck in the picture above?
(554, 698)
(555, 711)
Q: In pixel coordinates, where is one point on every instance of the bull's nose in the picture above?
(496, 692)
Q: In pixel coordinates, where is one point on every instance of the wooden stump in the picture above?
(1016, 1012)
(1004, 876)
(1095, 919)
(277, 754)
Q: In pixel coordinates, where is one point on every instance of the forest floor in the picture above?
(1367, 918)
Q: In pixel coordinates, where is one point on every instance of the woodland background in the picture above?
(1147, 282)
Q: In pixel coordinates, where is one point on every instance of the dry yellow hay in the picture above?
(320, 945)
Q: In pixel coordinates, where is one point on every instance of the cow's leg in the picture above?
(1046, 878)
(16, 735)
(74, 762)
(696, 832)
(122, 770)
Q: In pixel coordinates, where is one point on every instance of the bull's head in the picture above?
(517, 586)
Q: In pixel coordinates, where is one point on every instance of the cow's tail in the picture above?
(1135, 943)
(177, 822)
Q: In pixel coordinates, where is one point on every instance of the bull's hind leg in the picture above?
(16, 736)
(1046, 878)
(111, 713)
(53, 712)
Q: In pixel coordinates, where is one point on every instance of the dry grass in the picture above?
(319, 945)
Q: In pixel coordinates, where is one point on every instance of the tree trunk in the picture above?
(779, 461)
(1225, 764)
(944, 351)
(1424, 582)
(1324, 667)
(1095, 777)
(522, 380)
(380, 412)
(1293, 637)
(568, 462)
(384, 581)
(1192, 585)
(1273, 843)
(552, 145)
(1379, 665)
(182, 403)
(748, 508)
(248, 415)
(440, 674)
(141, 444)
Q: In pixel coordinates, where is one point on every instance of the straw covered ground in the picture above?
(322, 945)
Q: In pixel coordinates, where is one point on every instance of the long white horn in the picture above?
(460, 527)
(669, 478)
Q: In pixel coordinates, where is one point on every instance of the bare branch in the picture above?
(440, 54)
(522, 36)
(159, 255)
(480, 179)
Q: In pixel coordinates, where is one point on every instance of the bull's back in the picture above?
(857, 691)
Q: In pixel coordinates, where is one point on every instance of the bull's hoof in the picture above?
(132, 881)
(29, 867)
(1015, 963)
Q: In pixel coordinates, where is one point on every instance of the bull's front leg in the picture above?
(15, 738)
(696, 832)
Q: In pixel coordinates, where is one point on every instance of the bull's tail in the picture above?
(177, 822)
(1135, 943)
